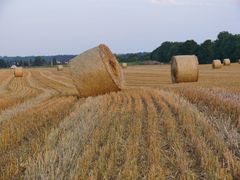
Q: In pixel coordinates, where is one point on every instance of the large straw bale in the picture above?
(96, 72)
(184, 68)
(216, 64)
(226, 62)
(60, 67)
(18, 72)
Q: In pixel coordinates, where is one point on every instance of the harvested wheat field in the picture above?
(152, 129)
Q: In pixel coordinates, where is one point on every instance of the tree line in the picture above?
(29, 61)
(37, 61)
(226, 45)
(133, 57)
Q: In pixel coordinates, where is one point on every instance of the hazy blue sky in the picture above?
(49, 27)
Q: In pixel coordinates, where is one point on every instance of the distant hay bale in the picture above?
(184, 68)
(124, 65)
(60, 67)
(239, 61)
(96, 72)
(13, 66)
(151, 63)
(216, 64)
(226, 62)
(18, 72)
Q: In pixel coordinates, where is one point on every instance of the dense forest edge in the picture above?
(226, 45)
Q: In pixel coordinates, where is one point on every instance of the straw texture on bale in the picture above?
(124, 65)
(18, 72)
(226, 62)
(184, 68)
(96, 72)
(60, 67)
(216, 64)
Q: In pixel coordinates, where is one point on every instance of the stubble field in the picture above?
(153, 129)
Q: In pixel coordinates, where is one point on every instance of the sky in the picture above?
(51, 27)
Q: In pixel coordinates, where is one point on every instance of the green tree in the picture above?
(189, 47)
(25, 63)
(3, 64)
(236, 53)
(165, 52)
(206, 52)
(220, 44)
(227, 45)
(39, 61)
(54, 60)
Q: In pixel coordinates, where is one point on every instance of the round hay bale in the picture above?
(184, 68)
(96, 72)
(18, 72)
(226, 62)
(60, 67)
(239, 61)
(124, 65)
(216, 64)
